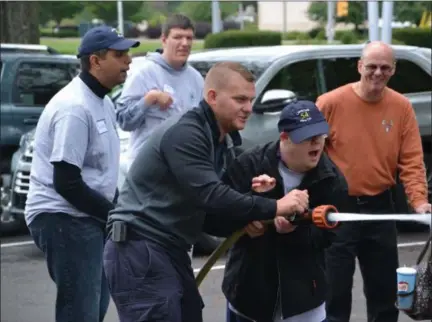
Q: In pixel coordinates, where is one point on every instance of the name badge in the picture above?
(101, 126)
(168, 89)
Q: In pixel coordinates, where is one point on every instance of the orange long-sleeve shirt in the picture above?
(370, 141)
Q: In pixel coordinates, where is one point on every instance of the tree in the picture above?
(357, 11)
(107, 10)
(19, 22)
(317, 11)
(411, 11)
(201, 10)
(59, 10)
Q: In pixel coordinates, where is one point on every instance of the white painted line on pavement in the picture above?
(196, 270)
(23, 243)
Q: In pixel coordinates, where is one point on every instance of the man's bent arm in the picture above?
(187, 151)
(131, 106)
(411, 165)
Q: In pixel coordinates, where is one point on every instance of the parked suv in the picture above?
(29, 77)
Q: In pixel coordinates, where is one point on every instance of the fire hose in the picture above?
(324, 217)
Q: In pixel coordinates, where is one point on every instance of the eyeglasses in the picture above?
(384, 68)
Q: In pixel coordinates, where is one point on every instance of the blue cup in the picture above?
(406, 279)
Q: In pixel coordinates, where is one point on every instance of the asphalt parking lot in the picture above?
(27, 293)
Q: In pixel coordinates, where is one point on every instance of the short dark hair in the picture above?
(85, 60)
(177, 20)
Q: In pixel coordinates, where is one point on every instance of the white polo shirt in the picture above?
(77, 127)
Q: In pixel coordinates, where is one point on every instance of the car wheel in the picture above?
(206, 244)
(9, 223)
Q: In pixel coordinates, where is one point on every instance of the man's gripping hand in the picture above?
(263, 183)
(295, 202)
(156, 97)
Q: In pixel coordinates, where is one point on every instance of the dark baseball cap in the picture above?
(104, 37)
(302, 120)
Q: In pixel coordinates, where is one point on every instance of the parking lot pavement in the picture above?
(27, 293)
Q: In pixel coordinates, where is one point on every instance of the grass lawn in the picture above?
(70, 45)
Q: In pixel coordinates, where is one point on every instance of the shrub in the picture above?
(66, 33)
(349, 38)
(153, 31)
(291, 35)
(414, 36)
(238, 38)
(202, 29)
(315, 31)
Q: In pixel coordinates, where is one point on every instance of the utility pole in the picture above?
(387, 18)
(284, 16)
(216, 17)
(120, 16)
(330, 21)
(373, 20)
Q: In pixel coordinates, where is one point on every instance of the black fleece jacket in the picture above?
(291, 263)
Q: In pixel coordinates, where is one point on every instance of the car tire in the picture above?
(206, 244)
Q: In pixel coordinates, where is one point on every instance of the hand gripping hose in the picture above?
(317, 216)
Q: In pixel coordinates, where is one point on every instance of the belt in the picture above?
(383, 199)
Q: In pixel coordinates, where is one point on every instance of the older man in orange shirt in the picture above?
(373, 135)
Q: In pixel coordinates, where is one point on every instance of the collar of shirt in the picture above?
(211, 118)
(95, 86)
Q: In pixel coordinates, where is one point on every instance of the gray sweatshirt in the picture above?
(185, 86)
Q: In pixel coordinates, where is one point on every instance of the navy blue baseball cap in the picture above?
(302, 120)
(104, 37)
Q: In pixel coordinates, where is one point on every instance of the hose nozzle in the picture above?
(316, 216)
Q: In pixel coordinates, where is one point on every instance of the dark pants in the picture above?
(148, 285)
(375, 245)
(73, 248)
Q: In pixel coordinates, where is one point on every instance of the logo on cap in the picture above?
(117, 32)
(304, 115)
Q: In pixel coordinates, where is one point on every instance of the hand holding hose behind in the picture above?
(294, 202)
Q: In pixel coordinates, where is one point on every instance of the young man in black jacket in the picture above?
(276, 273)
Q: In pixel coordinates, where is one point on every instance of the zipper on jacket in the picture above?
(279, 298)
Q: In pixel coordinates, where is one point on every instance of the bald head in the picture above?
(378, 48)
(220, 75)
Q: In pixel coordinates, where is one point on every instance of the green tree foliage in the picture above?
(58, 10)
(411, 11)
(357, 11)
(107, 10)
(317, 11)
(201, 10)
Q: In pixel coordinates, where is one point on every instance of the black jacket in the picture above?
(257, 267)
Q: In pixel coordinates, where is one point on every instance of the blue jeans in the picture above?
(73, 249)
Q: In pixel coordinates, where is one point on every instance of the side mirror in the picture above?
(275, 100)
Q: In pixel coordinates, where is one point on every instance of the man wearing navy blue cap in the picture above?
(73, 182)
(276, 273)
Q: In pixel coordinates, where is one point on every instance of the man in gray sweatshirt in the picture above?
(173, 182)
(164, 86)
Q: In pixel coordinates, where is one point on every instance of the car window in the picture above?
(255, 67)
(302, 78)
(410, 78)
(37, 82)
(340, 71)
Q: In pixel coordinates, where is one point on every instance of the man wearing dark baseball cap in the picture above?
(103, 38)
(74, 177)
(302, 120)
(279, 276)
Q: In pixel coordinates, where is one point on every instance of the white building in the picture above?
(271, 16)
